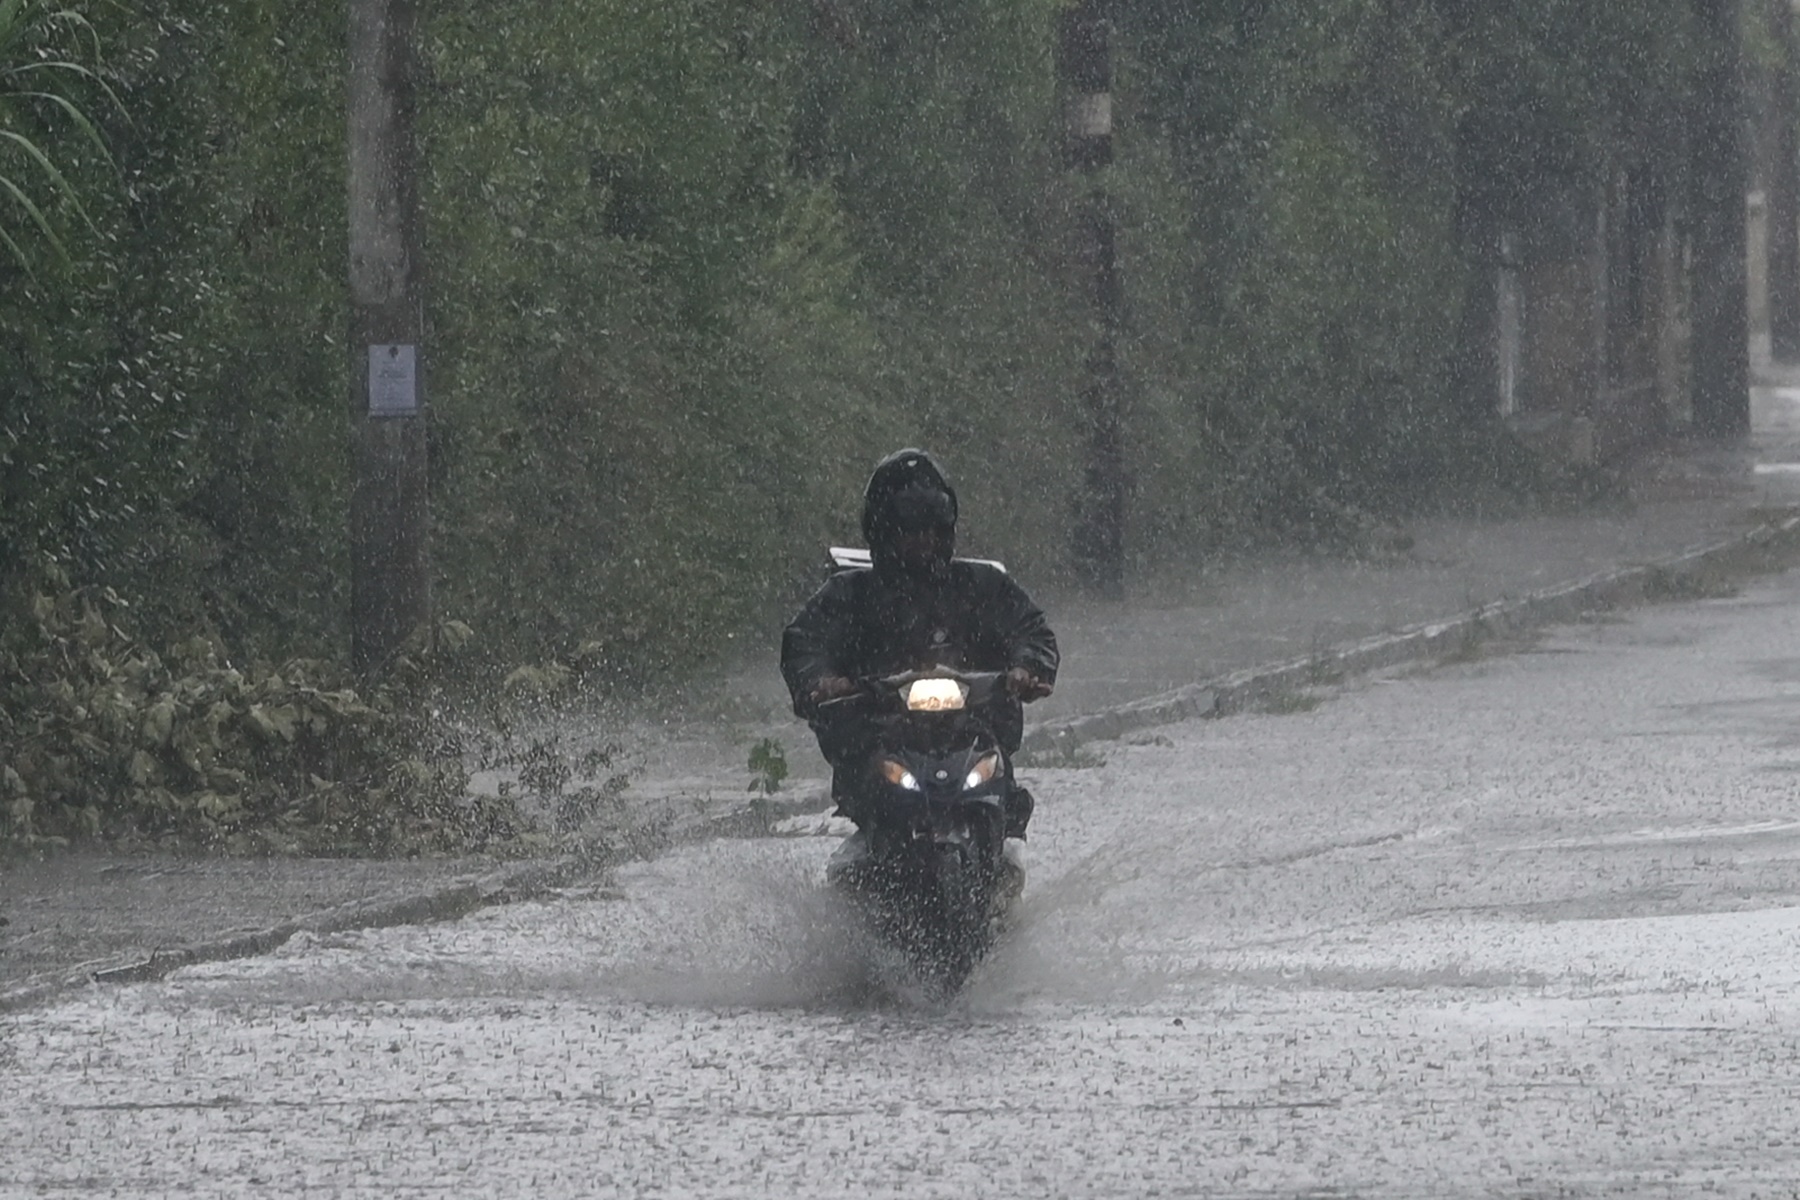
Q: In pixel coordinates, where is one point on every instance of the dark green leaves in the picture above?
(40, 81)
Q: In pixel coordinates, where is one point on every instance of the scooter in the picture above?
(930, 870)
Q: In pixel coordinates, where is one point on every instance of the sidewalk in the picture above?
(135, 916)
(1277, 607)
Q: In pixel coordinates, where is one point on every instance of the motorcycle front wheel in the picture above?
(953, 928)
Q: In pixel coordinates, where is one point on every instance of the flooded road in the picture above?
(1524, 925)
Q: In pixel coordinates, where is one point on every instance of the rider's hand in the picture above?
(831, 687)
(1021, 682)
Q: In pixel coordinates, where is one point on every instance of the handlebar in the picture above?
(982, 686)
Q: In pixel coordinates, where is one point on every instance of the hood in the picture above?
(908, 491)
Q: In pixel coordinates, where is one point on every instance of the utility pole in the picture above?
(1718, 172)
(390, 590)
(1781, 186)
(1084, 72)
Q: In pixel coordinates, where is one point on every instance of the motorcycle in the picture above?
(930, 870)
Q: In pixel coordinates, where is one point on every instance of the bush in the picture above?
(107, 738)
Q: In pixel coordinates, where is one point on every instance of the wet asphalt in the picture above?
(1515, 925)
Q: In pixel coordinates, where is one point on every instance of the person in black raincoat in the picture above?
(916, 606)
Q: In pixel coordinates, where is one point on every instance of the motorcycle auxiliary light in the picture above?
(983, 772)
(897, 774)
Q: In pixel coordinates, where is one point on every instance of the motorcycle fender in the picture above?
(955, 821)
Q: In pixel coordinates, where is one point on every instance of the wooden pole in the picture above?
(1084, 70)
(1781, 185)
(389, 508)
(1719, 174)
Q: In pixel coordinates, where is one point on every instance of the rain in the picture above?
(1009, 597)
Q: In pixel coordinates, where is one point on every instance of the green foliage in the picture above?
(644, 318)
(171, 409)
(550, 778)
(1293, 266)
(669, 358)
(768, 767)
(42, 79)
(107, 738)
(932, 123)
(1312, 192)
(695, 265)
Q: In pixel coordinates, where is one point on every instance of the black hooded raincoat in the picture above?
(881, 620)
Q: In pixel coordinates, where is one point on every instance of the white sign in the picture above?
(1092, 115)
(393, 381)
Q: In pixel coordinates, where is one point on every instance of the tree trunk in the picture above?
(390, 592)
(1718, 158)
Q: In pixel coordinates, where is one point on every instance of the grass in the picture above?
(1471, 643)
(1666, 584)
(1288, 701)
(1064, 756)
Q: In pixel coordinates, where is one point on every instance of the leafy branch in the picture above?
(41, 44)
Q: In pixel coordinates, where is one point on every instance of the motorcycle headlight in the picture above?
(936, 695)
(897, 774)
(984, 772)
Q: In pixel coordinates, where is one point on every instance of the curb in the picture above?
(1562, 604)
(446, 902)
(443, 903)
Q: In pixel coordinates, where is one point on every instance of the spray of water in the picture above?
(742, 925)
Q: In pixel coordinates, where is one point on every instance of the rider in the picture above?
(917, 606)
